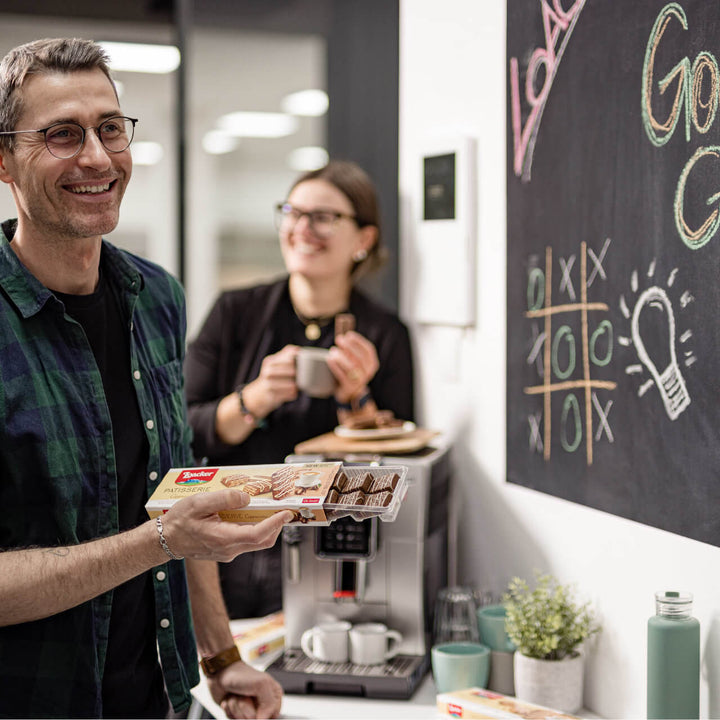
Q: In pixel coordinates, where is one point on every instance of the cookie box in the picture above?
(316, 492)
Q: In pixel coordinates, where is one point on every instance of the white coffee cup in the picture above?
(308, 479)
(373, 643)
(312, 374)
(327, 642)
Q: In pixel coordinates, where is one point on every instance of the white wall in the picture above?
(453, 76)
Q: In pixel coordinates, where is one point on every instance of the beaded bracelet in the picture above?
(163, 541)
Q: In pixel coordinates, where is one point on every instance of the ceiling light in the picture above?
(258, 124)
(307, 158)
(146, 153)
(139, 57)
(309, 103)
(217, 142)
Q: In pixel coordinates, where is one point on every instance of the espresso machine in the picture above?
(369, 571)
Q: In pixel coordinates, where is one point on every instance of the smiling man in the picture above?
(95, 616)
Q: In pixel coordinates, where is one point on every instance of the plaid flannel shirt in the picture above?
(58, 484)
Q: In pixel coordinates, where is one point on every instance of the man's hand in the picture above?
(194, 530)
(243, 692)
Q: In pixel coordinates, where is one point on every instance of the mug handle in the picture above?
(394, 640)
(306, 643)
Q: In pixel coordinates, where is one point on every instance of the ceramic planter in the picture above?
(557, 684)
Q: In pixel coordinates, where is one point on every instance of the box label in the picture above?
(196, 476)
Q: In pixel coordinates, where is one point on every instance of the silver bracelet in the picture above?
(163, 541)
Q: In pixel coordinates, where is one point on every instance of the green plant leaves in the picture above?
(546, 622)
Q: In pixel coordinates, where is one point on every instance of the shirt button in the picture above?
(153, 475)
(164, 623)
(132, 326)
(160, 575)
(149, 424)
(136, 374)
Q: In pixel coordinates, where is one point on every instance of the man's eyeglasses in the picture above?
(322, 222)
(65, 140)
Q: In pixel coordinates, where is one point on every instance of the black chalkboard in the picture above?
(613, 289)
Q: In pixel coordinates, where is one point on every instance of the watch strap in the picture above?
(212, 664)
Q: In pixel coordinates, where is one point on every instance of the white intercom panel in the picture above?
(442, 282)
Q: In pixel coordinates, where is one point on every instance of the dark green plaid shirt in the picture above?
(58, 483)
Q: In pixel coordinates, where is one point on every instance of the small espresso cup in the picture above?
(461, 665)
(373, 643)
(312, 374)
(491, 623)
(308, 480)
(327, 642)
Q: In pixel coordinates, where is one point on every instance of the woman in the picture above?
(244, 404)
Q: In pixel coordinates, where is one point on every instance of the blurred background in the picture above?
(263, 91)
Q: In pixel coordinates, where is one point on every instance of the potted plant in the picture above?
(548, 626)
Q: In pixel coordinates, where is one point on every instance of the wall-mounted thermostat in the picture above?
(442, 283)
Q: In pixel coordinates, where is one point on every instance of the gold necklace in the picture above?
(313, 326)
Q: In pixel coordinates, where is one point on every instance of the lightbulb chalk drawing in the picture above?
(668, 378)
(656, 349)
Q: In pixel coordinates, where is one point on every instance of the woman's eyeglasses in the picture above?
(322, 222)
(65, 140)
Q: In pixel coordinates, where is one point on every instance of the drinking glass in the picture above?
(455, 616)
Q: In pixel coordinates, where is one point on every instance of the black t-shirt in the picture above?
(133, 685)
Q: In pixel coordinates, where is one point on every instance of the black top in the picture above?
(131, 661)
(243, 327)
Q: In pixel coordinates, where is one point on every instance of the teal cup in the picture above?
(491, 624)
(461, 665)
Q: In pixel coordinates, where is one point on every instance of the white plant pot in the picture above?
(556, 684)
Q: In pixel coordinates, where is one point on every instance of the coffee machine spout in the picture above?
(350, 581)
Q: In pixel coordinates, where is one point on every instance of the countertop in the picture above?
(421, 706)
(331, 707)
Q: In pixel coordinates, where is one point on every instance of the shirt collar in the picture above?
(29, 295)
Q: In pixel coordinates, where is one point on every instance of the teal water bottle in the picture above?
(673, 658)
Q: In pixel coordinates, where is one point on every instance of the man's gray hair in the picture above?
(51, 55)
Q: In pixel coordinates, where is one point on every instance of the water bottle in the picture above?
(673, 658)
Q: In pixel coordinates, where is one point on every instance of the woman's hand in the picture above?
(354, 361)
(275, 385)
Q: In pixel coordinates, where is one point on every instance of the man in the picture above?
(91, 417)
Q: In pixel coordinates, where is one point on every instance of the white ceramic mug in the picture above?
(373, 643)
(312, 374)
(327, 642)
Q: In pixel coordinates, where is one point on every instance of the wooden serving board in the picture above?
(330, 443)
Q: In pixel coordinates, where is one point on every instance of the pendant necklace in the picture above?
(313, 326)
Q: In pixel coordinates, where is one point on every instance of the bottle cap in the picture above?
(673, 603)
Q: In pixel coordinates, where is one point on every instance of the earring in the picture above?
(360, 255)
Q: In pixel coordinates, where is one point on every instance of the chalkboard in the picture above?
(613, 282)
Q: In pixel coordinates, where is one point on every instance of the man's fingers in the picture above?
(238, 706)
(267, 530)
(213, 502)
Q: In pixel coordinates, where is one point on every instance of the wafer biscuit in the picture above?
(258, 486)
(235, 480)
(283, 482)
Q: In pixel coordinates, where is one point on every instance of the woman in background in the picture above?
(244, 404)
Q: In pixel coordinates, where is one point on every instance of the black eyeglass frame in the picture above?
(45, 130)
(282, 208)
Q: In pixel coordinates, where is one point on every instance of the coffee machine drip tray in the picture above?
(397, 679)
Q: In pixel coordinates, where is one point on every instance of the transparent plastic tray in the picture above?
(366, 491)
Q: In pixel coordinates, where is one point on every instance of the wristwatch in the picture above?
(213, 664)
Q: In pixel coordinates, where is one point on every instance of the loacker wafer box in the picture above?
(317, 492)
